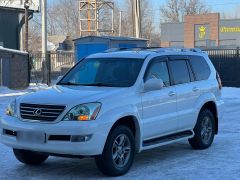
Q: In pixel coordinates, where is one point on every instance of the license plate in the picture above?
(31, 137)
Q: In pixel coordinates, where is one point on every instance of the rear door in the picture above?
(186, 91)
(201, 85)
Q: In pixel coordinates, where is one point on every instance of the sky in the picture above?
(229, 7)
(216, 5)
(226, 6)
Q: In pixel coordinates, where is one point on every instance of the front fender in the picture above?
(113, 115)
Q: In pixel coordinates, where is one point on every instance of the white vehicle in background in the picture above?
(112, 105)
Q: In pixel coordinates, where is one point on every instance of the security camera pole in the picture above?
(26, 6)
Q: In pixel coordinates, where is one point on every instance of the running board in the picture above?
(164, 140)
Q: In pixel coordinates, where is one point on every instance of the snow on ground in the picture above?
(176, 161)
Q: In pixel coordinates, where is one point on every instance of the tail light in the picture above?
(219, 81)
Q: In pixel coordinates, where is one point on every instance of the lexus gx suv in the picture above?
(115, 104)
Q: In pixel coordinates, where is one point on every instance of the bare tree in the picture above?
(146, 19)
(63, 18)
(34, 39)
(147, 23)
(175, 10)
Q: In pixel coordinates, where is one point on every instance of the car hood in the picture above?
(73, 95)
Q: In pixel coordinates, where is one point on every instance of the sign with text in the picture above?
(225, 29)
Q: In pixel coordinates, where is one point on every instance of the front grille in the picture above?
(40, 112)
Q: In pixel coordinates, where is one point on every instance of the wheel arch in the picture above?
(211, 105)
(132, 122)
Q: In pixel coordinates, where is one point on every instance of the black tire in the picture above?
(29, 157)
(204, 134)
(106, 163)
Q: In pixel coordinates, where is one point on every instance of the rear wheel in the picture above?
(29, 157)
(118, 153)
(204, 130)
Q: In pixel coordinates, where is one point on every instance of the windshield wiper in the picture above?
(70, 84)
(98, 84)
(93, 84)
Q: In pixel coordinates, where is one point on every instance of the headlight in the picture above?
(83, 112)
(11, 109)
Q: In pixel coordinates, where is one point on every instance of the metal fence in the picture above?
(48, 67)
(227, 63)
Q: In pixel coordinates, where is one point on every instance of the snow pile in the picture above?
(175, 161)
(4, 91)
(231, 93)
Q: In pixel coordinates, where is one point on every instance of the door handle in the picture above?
(195, 89)
(171, 93)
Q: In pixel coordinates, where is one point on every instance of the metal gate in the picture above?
(227, 63)
(57, 64)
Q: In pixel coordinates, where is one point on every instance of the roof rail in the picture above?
(156, 49)
(131, 49)
(180, 50)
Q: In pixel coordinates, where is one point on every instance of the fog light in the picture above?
(81, 138)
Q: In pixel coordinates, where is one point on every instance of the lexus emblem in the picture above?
(37, 112)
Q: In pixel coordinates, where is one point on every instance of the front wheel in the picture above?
(29, 157)
(118, 153)
(204, 130)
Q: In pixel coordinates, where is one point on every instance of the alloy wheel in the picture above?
(121, 150)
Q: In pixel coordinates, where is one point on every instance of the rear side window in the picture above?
(200, 68)
(180, 71)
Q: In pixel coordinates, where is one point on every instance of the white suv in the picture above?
(112, 105)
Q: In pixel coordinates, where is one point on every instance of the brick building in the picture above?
(205, 30)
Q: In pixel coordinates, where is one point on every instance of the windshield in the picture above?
(117, 72)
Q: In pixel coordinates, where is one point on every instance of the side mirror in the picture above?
(153, 84)
(58, 79)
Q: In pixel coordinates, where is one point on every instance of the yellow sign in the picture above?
(202, 32)
(225, 29)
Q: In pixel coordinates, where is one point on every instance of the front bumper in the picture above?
(93, 146)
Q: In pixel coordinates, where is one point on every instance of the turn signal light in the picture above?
(83, 118)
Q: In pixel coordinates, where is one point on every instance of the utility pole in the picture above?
(137, 18)
(46, 78)
(44, 26)
(26, 6)
(120, 23)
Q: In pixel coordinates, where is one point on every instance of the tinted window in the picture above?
(158, 70)
(118, 72)
(180, 71)
(200, 68)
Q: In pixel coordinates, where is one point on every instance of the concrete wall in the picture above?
(14, 68)
(225, 33)
(229, 32)
(189, 28)
(9, 31)
(172, 34)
